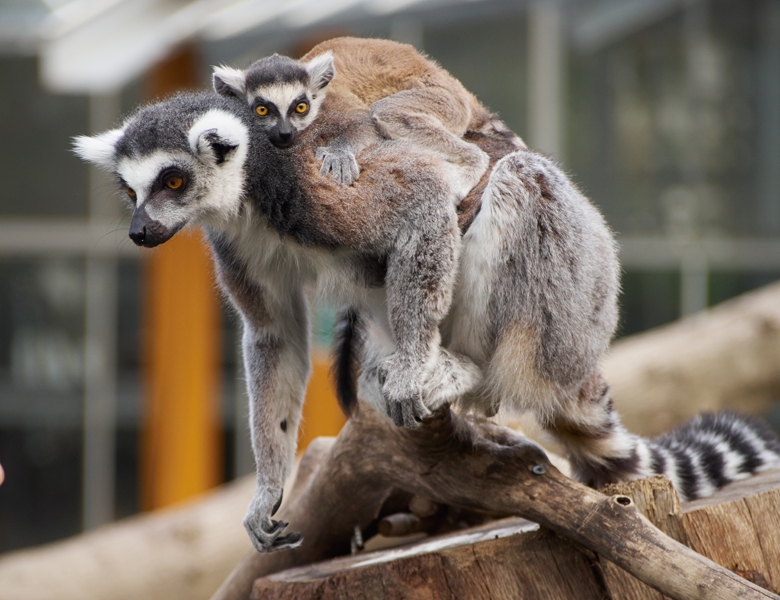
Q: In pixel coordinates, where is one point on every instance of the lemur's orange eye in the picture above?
(262, 110)
(174, 183)
(130, 192)
(302, 107)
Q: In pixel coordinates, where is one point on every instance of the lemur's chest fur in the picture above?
(259, 254)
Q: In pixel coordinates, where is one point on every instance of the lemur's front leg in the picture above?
(276, 360)
(338, 157)
(421, 274)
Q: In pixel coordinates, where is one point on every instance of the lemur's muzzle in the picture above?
(144, 231)
(283, 135)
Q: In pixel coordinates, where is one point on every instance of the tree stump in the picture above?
(476, 467)
(511, 558)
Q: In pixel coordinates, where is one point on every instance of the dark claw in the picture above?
(291, 539)
(277, 527)
(278, 504)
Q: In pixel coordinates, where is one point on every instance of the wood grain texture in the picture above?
(738, 528)
(510, 564)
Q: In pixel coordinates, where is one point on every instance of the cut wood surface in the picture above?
(739, 528)
(726, 357)
(495, 563)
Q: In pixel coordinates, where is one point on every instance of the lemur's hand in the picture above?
(402, 391)
(264, 531)
(340, 161)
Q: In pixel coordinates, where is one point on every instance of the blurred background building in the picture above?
(665, 112)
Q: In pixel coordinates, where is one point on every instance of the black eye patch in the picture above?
(272, 109)
(293, 105)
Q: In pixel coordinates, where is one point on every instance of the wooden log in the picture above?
(725, 357)
(503, 561)
(181, 553)
(481, 468)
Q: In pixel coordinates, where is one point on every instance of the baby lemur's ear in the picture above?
(321, 71)
(229, 82)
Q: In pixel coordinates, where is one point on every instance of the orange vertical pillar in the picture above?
(181, 447)
(322, 415)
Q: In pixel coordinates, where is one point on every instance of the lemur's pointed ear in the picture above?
(229, 82)
(217, 135)
(321, 70)
(98, 149)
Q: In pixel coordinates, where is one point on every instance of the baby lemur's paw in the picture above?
(402, 392)
(264, 531)
(340, 162)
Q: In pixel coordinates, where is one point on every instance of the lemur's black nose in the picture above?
(138, 235)
(138, 232)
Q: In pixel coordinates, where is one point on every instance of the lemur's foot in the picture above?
(402, 393)
(264, 531)
(453, 377)
(340, 162)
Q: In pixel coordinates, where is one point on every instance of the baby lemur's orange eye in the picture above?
(262, 110)
(174, 183)
(302, 107)
(130, 192)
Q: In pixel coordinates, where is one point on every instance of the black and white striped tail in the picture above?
(699, 457)
(709, 452)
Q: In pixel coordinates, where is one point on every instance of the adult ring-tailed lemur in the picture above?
(523, 325)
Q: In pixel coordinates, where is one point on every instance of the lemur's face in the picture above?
(174, 176)
(284, 110)
(284, 94)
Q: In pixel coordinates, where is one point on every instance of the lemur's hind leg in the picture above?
(434, 119)
(597, 445)
(699, 457)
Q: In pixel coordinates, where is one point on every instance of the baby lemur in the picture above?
(408, 95)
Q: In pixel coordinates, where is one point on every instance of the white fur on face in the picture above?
(140, 173)
(282, 95)
(98, 149)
